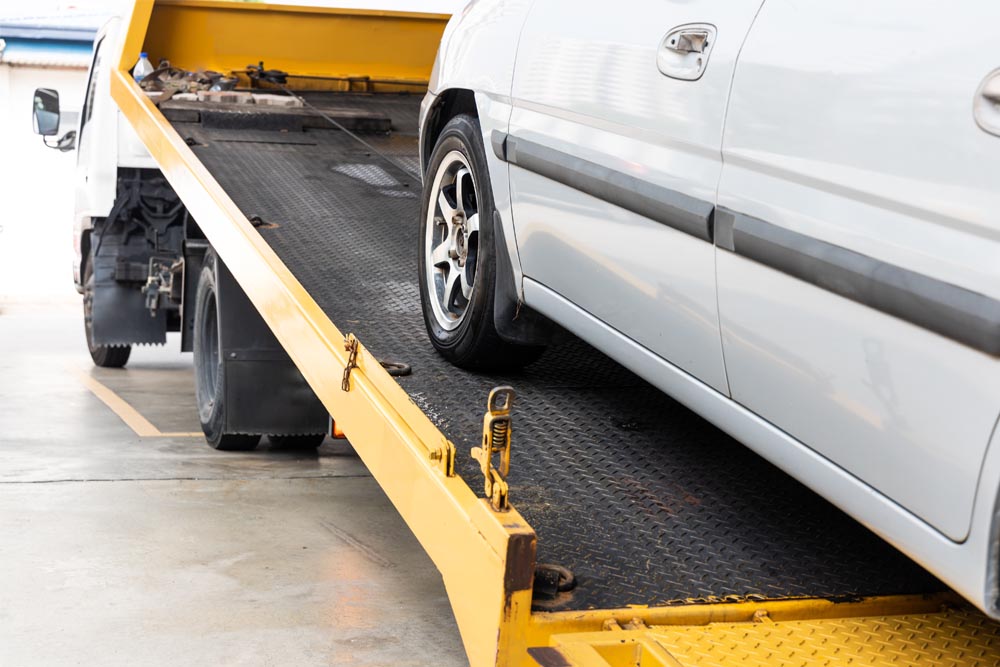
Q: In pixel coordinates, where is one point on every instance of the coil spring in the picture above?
(498, 432)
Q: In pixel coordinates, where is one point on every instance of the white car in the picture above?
(784, 214)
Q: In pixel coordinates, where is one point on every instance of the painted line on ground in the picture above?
(141, 426)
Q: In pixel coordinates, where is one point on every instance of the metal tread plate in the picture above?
(643, 500)
(947, 639)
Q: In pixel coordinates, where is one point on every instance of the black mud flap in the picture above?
(270, 397)
(265, 392)
(120, 315)
(514, 322)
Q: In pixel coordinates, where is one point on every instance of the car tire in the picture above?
(104, 356)
(457, 258)
(210, 390)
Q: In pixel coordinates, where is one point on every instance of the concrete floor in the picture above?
(119, 549)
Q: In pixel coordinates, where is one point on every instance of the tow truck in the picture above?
(576, 514)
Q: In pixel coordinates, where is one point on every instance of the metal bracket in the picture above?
(161, 280)
(446, 455)
(351, 345)
(496, 440)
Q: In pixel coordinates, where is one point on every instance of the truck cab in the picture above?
(140, 261)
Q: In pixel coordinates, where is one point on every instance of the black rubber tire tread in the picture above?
(104, 356)
(475, 343)
(305, 441)
(213, 415)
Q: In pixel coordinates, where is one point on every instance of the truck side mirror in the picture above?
(45, 112)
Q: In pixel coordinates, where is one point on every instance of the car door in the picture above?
(614, 144)
(858, 236)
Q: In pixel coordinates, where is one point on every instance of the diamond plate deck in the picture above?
(646, 502)
(947, 639)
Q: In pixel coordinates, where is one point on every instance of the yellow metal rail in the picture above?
(486, 557)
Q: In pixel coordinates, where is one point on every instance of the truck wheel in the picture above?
(210, 390)
(457, 254)
(105, 356)
(309, 441)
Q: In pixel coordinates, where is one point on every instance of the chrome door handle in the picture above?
(991, 89)
(688, 41)
(684, 51)
(986, 104)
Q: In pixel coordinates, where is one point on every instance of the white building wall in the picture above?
(36, 189)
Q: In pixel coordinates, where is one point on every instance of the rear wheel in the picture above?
(458, 256)
(105, 356)
(210, 390)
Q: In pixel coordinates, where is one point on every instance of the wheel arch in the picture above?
(450, 103)
(515, 322)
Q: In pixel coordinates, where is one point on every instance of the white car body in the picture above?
(797, 237)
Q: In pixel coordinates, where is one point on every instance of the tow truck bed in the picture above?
(645, 502)
(688, 549)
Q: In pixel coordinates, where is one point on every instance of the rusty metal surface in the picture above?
(644, 501)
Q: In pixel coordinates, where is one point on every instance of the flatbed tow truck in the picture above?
(616, 527)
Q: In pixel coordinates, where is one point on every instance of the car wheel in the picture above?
(458, 257)
(105, 356)
(210, 390)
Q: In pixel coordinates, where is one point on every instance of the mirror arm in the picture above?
(65, 143)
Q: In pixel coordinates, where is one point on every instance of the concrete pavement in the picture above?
(119, 549)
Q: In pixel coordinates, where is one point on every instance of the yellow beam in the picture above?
(225, 36)
(544, 625)
(484, 557)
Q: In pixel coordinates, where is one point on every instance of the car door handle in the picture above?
(688, 41)
(684, 51)
(986, 105)
(991, 91)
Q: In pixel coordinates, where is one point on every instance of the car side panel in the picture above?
(851, 124)
(589, 98)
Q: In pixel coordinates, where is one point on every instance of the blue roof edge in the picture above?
(47, 33)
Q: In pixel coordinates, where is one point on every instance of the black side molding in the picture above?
(674, 209)
(957, 313)
(946, 309)
(499, 141)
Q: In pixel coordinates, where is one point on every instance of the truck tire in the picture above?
(105, 356)
(210, 390)
(308, 441)
(457, 257)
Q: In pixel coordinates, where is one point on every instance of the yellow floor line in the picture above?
(141, 426)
